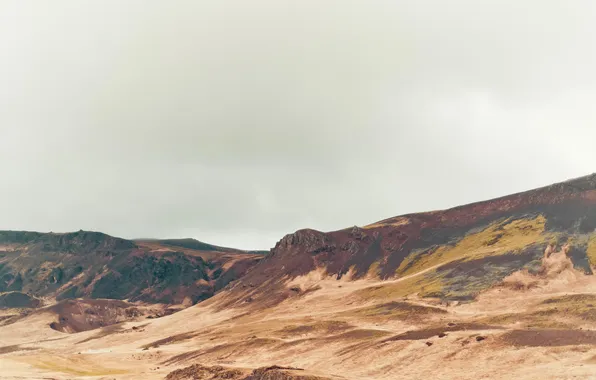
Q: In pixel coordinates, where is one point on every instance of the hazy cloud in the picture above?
(236, 122)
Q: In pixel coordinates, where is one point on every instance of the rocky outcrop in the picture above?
(198, 371)
(307, 239)
(280, 373)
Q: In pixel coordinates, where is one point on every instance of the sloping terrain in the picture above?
(461, 251)
(95, 265)
(500, 289)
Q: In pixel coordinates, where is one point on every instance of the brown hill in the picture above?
(463, 250)
(499, 289)
(95, 265)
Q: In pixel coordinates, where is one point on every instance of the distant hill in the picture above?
(95, 265)
(199, 245)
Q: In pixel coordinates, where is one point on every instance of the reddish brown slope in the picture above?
(391, 247)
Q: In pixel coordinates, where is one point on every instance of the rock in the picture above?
(350, 246)
(429, 343)
(198, 371)
(480, 338)
(358, 233)
(275, 372)
(442, 335)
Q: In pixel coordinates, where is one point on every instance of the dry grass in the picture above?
(430, 332)
(571, 299)
(394, 311)
(321, 328)
(74, 366)
(425, 286)
(359, 334)
(582, 306)
(14, 348)
(374, 270)
(563, 312)
(591, 250)
(171, 340)
(549, 338)
(540, 319)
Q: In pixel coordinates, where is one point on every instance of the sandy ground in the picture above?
(531, 327)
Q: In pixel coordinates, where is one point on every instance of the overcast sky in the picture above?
(236, 122)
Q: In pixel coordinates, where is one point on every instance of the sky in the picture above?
(237, 122)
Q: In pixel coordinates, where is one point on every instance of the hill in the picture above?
(460, 251)
(95, 265)
(498, 289)
(198, 245)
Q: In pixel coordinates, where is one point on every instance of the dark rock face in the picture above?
(92, 264)
(307, 239)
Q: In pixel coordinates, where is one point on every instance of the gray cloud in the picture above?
(236, 122)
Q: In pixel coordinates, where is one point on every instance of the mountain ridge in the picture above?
(97, 265)
(519, 226)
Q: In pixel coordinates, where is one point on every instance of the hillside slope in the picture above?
(499, 289)
(95, 265)
(198, 245)
(461, 251)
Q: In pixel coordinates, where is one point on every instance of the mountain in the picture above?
(87, 264)
(497, 289)
(461, 251)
